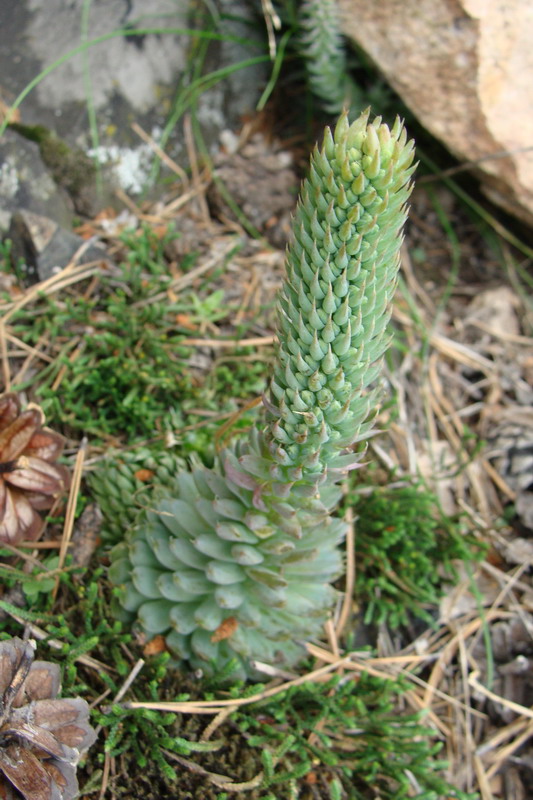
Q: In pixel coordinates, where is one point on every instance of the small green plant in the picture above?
(40, 583)
(330, 71)
(114, 364)
(124, 482)
(343, 737)
(120, 367)
(36, 585)
(87, 629)
(346, 732)
(148, 736)
(239, 560)
(325, 55)
(404, 549)
(5, 255)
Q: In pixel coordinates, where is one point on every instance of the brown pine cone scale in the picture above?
(30, 480)
(41, 735)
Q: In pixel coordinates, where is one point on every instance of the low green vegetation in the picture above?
(342, 738)
(118, 368)
(406, 550)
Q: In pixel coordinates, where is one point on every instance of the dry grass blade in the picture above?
(195, 170)
(272, 22)
(171, 164)
(215, 723)
(482, 778)
(6, 373)
(213, 706)
(231, 344)
(105, 776)
(516, 707)
(186, 280)
(221, 781)
(72, 273)
(71, 509)
(502, 755)
(347, 601)
(38, 633)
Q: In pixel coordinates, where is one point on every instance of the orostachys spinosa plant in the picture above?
(239, 560)
(323, 50)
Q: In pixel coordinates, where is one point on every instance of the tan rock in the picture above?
(465, 69)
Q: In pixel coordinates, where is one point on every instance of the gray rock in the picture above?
(123, 69)
(25, 182)
(229, 101)
(70, 168)
(40, 247)
(123, 79)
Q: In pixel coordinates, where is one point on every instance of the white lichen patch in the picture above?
(130, 166)
(9, 180)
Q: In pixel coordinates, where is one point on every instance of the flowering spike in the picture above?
(359, 184)
(329, 362)
(326, 273)
(341, 286)
(372, 169)
(317, 293)
(346, 170)
(358, 128)
(342, 314)
(301, 365)
(315, 319)
(371, 142)
(342, 127)
(303, 332)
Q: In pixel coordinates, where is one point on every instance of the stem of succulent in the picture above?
(239, 560)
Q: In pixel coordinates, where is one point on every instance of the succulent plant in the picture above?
(123, 482)
(41, 735)
(239, 559)
(324, 54)
(30, 478)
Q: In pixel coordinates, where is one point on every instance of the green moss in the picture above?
(405, 548)
(119, 362)
(70, 167)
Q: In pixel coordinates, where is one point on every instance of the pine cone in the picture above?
(30, 480)
(41, 736)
